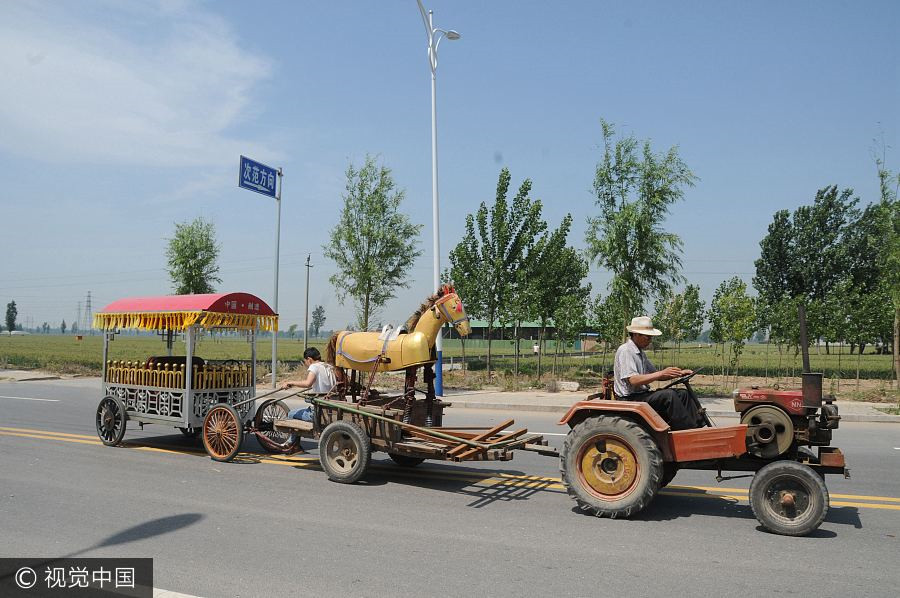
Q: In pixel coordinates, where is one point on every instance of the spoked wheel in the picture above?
(111, 418)
(344, 451)
(270, 439)
(611, 466)
(405, 460)
(789, 498)
(222, 432)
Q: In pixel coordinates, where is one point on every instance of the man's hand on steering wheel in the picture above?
(684, 377)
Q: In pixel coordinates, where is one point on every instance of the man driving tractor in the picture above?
(634, 372)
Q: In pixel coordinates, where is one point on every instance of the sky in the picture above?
(119, 118)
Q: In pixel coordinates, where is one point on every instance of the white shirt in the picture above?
(325, 380)
(630, 360)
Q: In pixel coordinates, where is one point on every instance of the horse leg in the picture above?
(409, 394)
(340, 383)
(354, 384)
(365, 392)
(428, 376)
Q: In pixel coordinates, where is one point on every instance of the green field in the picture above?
(68, 355)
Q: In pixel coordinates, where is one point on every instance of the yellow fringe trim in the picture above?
(179, 320)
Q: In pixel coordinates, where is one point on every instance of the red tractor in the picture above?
(618, 454)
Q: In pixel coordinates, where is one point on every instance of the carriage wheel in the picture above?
(344, 451)
(222, 432)
(270, 439)
(611, 466)
(788, 498)
(111, 419)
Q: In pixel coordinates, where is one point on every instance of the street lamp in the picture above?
(435, 36)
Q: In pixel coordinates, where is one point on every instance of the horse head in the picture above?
(449, 308)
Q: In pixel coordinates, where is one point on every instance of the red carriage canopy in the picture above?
(241, 311)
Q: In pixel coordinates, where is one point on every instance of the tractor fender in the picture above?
(636, 409)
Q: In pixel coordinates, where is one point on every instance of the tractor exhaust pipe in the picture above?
(812, 383)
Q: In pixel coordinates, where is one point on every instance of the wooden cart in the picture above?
(348, 433)
(178, 390)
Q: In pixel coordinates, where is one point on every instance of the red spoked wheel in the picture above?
(222, 432)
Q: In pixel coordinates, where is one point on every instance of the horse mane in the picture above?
(331, 348)
(426, 305)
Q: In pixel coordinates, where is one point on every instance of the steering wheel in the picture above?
(683, 379)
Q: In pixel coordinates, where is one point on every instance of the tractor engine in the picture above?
(781, 421)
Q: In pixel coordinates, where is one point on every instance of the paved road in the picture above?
(276, 525)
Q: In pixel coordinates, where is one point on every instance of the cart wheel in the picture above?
(611, 466)
(222, 432)
(190, 432)
(669, 471)
(405, 460)
(788, 498)
(344, 451)
(270, 439)
(111, 420)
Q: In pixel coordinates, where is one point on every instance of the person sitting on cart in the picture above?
(633, 373)
(320, 379)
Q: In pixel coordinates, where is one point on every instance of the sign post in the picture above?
(258, 177)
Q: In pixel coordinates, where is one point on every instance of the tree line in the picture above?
(836, 257)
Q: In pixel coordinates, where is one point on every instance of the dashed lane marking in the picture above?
(31, 399)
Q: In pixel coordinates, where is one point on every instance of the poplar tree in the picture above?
(373, 245)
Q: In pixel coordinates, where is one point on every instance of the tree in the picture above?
(570, 318)
(45, 328)
(606, 319)
(634, 189)
(62, 327)
(693, 314)
(74, 329)
(553, 272)
(318, 319)
(732, 315)
(889, 183)
(373, 245)
(192, 257)
(484, 264)
(292, 329)
(805, 255)
(11, 314)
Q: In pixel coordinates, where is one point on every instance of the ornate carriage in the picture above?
(177, 390)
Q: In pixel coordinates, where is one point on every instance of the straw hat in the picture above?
(643, 325)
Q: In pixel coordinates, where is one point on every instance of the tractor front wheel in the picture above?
(788, 498)
(611, 466)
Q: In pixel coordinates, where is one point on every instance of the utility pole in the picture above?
(306, 310)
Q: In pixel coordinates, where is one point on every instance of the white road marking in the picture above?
(30, 399)
(160, 593)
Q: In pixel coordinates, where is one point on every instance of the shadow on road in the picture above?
(141, 531)
(666, 507)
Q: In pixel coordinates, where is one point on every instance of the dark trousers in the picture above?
(673, 405)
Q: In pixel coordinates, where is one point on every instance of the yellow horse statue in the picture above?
(405, 348)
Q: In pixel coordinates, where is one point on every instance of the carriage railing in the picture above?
(171, 376)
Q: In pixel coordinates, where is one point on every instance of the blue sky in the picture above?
(118, 118)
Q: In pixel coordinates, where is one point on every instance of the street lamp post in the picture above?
(435, 36)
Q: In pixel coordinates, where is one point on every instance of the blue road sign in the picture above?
(257, 177)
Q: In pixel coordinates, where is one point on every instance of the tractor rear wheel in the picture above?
(611, 466)
(669, 471)
(788, 498)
